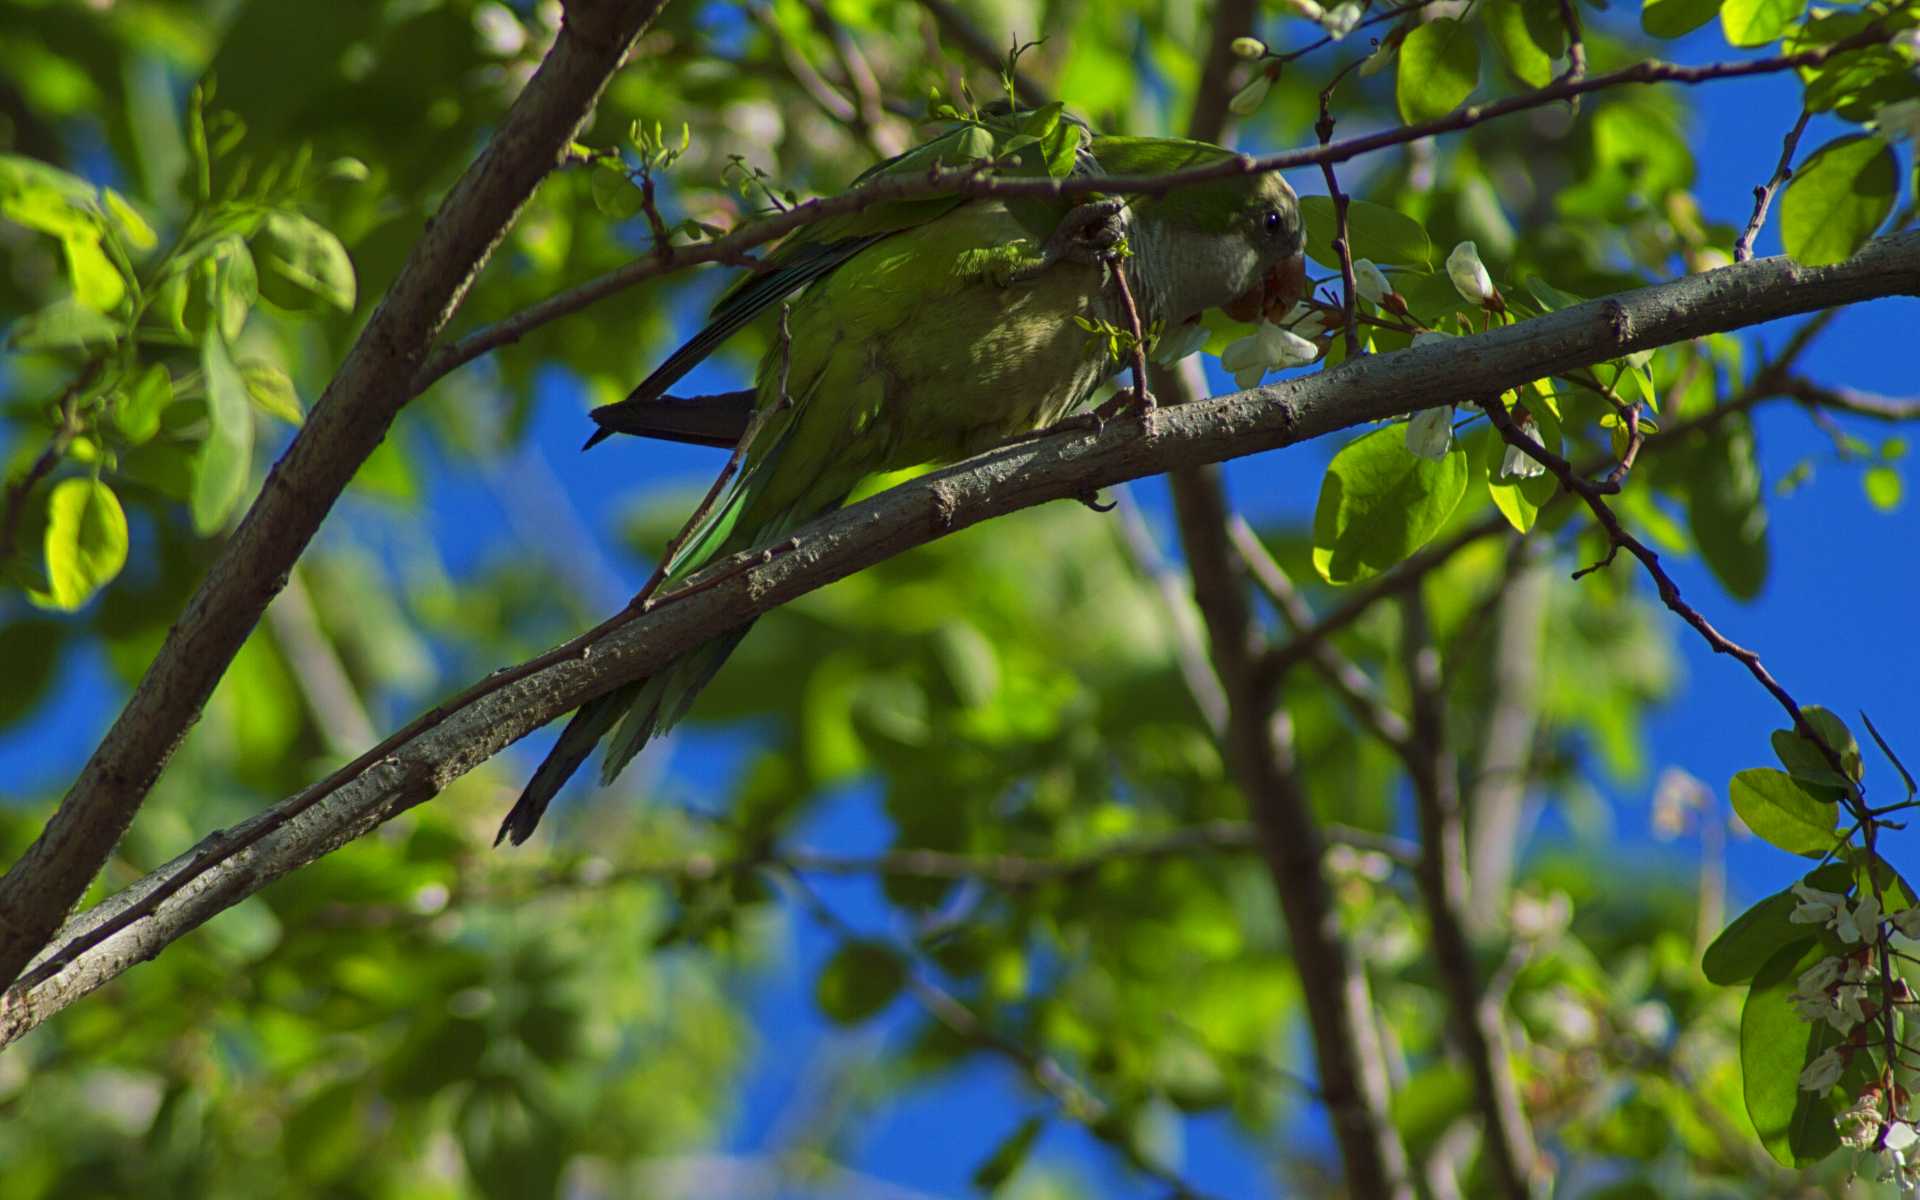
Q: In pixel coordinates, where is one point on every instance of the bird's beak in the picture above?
(1283, 286)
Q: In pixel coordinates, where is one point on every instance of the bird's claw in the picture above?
(1090, 234)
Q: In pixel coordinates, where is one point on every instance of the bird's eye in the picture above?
(1273, 220)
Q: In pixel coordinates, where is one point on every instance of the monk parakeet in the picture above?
(930, 330)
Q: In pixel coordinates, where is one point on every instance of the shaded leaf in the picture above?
(302, 264)
(220, 468)
(1382, 234)
(1775, 1046)
(858, 981)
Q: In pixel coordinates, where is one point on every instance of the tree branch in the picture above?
(970, 181)
(345, 426)
(1478, 1026)
(132, 925)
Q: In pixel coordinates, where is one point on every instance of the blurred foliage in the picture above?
(202, 200)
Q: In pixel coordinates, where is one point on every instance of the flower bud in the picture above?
(1430, 433)
(1370, 281)
(1248, 99)
(1249, 48)
(1341, 19)
(1469, 274)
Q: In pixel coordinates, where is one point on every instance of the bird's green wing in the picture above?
(1022, 142)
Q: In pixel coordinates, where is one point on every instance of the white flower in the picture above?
(1518, 464)
(1846, 1011)
(1339, 22)
(1267, 348)
(1469, 274)
(1811, 1008)
(1901, 1136)
(1859, 1126)
(1822, 1073)
(1899, 120)
(1305, 320)
(1249, 48)
(1177, 343)
(1816, 907)
(1651, 1020)
(1821, 976)
(1370, 281)
(500, 31)
(1862, 924)
(1248, 99)
(1430, 433)
(1535, 918)
(1308, 9)
(1907, 921)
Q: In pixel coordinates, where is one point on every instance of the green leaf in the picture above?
(1439, 68)
(1757, 22)
(272, 391)
(1775, 1046)
(1727, 511)
(136, 412)
(1008, 1156)
(97, 283)
(1379, 503)
(1780, 811)
(1884, 487)
(62, 325)
(858, 981)
(1837, 199)
(1385, 235)
(1753, 937)
(613, 192)
(302, 265)
(1804, 761)
(1530, 62)
(220, 468)
(86, 542)
(1676, 18)
(132, 225)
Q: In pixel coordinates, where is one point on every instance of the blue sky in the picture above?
(1833, 624)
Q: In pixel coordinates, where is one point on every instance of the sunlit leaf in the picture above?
(1782, 812)
(1379, 503)
(1837, 199)
(86, 542)
(1439, 68)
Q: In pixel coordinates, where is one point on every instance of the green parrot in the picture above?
(931, 330)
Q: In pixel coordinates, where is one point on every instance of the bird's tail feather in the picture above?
(577, 741)
(665, 698)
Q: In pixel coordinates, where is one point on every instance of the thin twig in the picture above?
(1576, 47)
(1347, 677)
(1618, 538)
(1342, 243)
(1763, 194)
(67, 427)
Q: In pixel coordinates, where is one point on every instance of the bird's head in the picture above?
(1267, 236)
(1235, 243)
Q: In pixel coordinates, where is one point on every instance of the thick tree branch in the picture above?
(408, 771)
(346, 424)
(1506, 745)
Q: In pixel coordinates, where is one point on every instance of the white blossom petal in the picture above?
(1370, 281)
(1430, 433)
(1469, 274)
